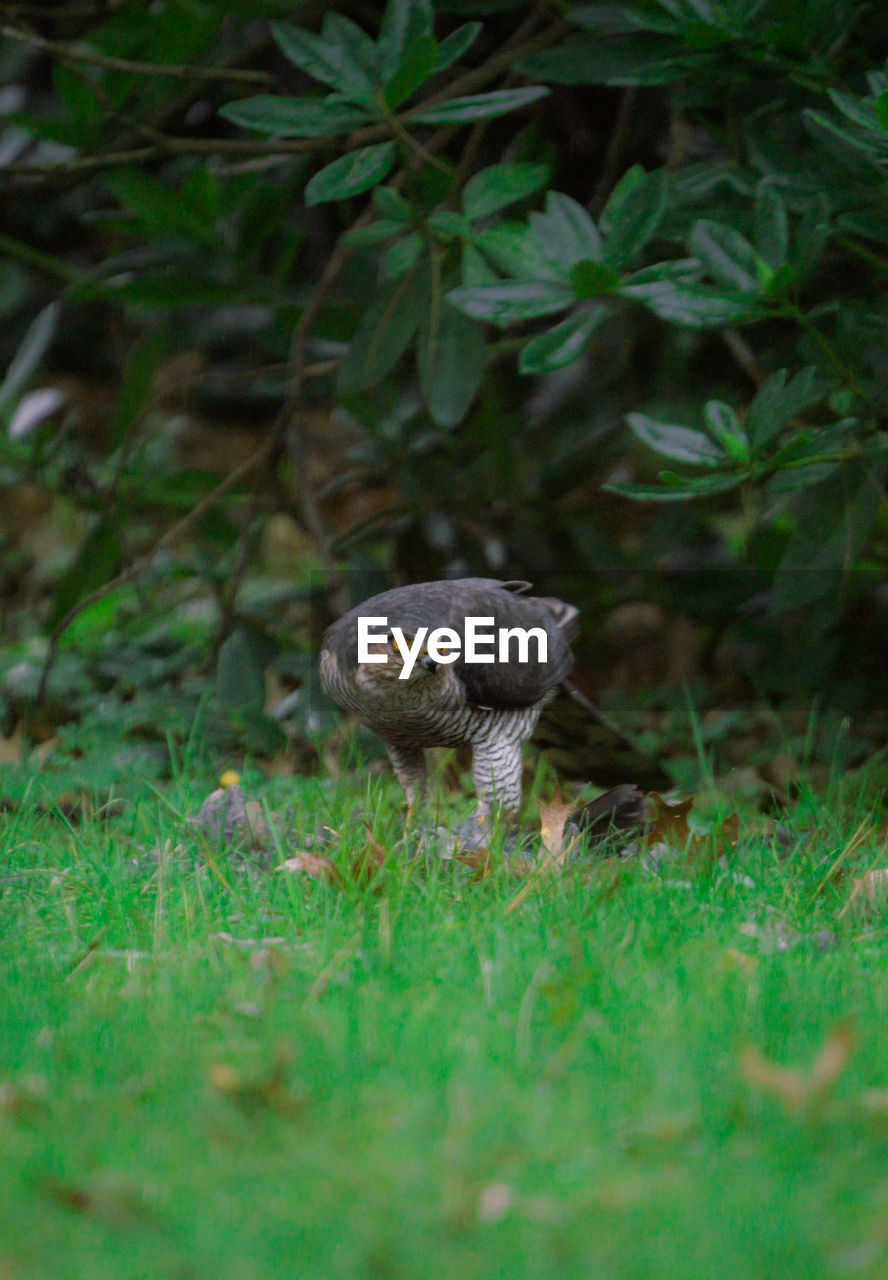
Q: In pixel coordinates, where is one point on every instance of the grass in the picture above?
(416, 1081)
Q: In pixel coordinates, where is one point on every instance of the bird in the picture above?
(413, 696)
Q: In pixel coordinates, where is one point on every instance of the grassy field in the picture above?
(212, 1071)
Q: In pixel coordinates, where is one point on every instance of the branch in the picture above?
(69, 53)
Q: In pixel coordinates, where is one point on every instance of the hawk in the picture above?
(491, 706)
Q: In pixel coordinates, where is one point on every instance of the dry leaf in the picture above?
(869, 893)
(553, 816)
(793, 1087)
(668, 825)
(494, 1202)
(478, 859)
(311, 864)
(268, 1091)
(366, 863)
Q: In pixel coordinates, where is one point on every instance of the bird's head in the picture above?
(400, 654)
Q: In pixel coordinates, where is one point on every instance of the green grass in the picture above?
(417, 1081)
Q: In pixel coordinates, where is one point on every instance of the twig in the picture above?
(69, 53)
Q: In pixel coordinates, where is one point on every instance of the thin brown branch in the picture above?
(70, 53)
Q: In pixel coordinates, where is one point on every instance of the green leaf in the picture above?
(590, 279)
(33, 348)
(373, 233)
(385, 329)
(565, 232)
(240, 674)
(96, 562)
(776, 403)
(835, 520)
(420, 62)
(295, 117)
(501, 185)
(449, 224)
(633, 214)
(634, 60)
(475, 272)
(882, 109)
(507, 304)
(359, 49)
(726, 429)
(391, 204)
(680, 443)
(403, 22)
(727, 255)
(401, 256)
(451, 353)
(136, 387)
(479, 106)
(161, 211)
(514, 249)
(679, 488)
(327, 60)
(694, 305)
(458, 43)
(562, 344)
(351, 174)
(771, 225)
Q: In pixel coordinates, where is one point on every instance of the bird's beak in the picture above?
(428, 664)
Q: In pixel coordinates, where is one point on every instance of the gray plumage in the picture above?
(493, 707)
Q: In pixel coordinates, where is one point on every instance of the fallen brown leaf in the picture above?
(869, 893)
(793, 1087)
(553, 817)
(268, 1091)
(311, 864)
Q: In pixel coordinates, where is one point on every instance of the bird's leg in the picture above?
(496, 771)
(410, 766)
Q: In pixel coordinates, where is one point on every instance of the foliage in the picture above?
(211, 1070)
(482, 236)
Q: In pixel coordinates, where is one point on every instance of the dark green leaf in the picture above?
(882, 109)
(401, 256)
(562, 344)
(449, 224)
(479, 106)
(506, 304)
(776, 403)
(590, 279)
(475, 272)
(160, 210)
(725, 428)
(351, 174)
(403, 22)
(96, 562)
(835, 520)
(501, 185)
(419, 63)
(727, 255)
(565, 232)
(457, 43)
(358, 48)
(679, 489)
(240, 674)
(391, 204)
(635, 60)
(514, 249)
(693, 305)
(680, 443)
(326, 60)
(385, 330)
(295, 117)
(633, 214)
(451, 353)
(771, 225)
(373, 233)
(33, 348)
(135, 391)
